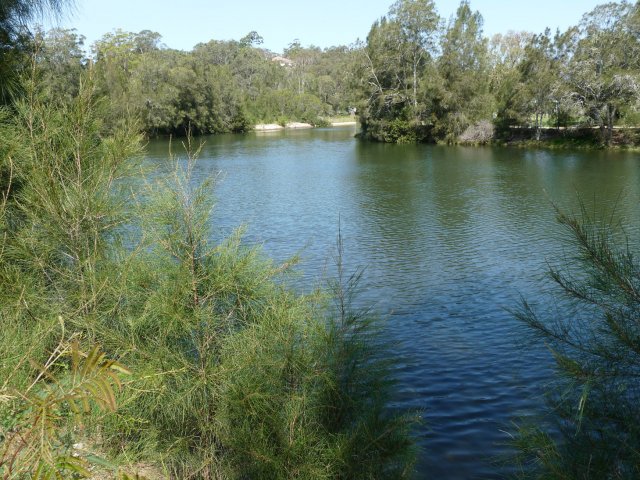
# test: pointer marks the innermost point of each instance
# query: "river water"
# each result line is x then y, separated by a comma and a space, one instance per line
451, 239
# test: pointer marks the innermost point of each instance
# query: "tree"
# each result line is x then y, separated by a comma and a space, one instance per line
506, 53
147, 41
418, 29
303, 60
251, 39
539, 79
334, 75
115, 57
602, 73
119, 56
62, 61
399, 49
463, 66
594, 336
14, 36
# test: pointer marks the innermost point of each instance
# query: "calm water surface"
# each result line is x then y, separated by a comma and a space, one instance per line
451, 237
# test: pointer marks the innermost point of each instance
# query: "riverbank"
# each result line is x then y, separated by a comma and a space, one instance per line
274, 127
569, 138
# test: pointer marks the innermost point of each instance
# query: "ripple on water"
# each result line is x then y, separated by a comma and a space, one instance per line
450, 239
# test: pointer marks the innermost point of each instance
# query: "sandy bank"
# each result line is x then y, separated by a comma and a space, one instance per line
274, 127
296, 125
268, 127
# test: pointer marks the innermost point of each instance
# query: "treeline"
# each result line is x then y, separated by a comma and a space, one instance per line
431, 80
219, 86
417, 78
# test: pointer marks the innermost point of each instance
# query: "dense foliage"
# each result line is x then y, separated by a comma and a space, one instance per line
233, 375
15, 45
219, 86
416, 78
429, 82
595, 338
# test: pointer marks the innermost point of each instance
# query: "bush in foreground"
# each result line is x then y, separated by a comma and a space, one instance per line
595, 339
234, 374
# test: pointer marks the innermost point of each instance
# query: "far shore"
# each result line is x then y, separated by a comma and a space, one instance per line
274, 127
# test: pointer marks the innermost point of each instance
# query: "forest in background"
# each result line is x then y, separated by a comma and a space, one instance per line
416, 78
446, 82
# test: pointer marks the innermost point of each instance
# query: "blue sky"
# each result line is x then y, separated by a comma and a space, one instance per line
322, 23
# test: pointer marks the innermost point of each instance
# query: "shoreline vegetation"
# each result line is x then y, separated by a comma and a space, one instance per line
622, 138
453, 85
415, 78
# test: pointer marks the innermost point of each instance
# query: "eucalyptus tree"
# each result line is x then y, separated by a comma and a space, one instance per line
386, 78
132, 73
61, 59
417, 22
335, 76
303, 60
602, 72
539, 81
506, 53
386, 82
116, 56
399, 49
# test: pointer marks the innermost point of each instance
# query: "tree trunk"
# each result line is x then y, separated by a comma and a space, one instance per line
601, 123
611, 113
415, 85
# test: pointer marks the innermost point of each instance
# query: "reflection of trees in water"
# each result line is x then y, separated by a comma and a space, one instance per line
462, 206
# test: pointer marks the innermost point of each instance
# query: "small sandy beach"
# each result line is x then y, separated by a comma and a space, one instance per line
274, 127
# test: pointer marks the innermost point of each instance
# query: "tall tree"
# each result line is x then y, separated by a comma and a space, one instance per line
417, 22
304, 58
62, 59
539, 79
507, 52
464, 67
602, 72
399, 49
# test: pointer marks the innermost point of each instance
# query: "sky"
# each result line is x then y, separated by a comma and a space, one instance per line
322, 23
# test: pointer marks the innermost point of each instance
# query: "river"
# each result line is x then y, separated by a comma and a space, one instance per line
451, 238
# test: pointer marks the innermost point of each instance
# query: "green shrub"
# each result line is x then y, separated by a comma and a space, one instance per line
595, 339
